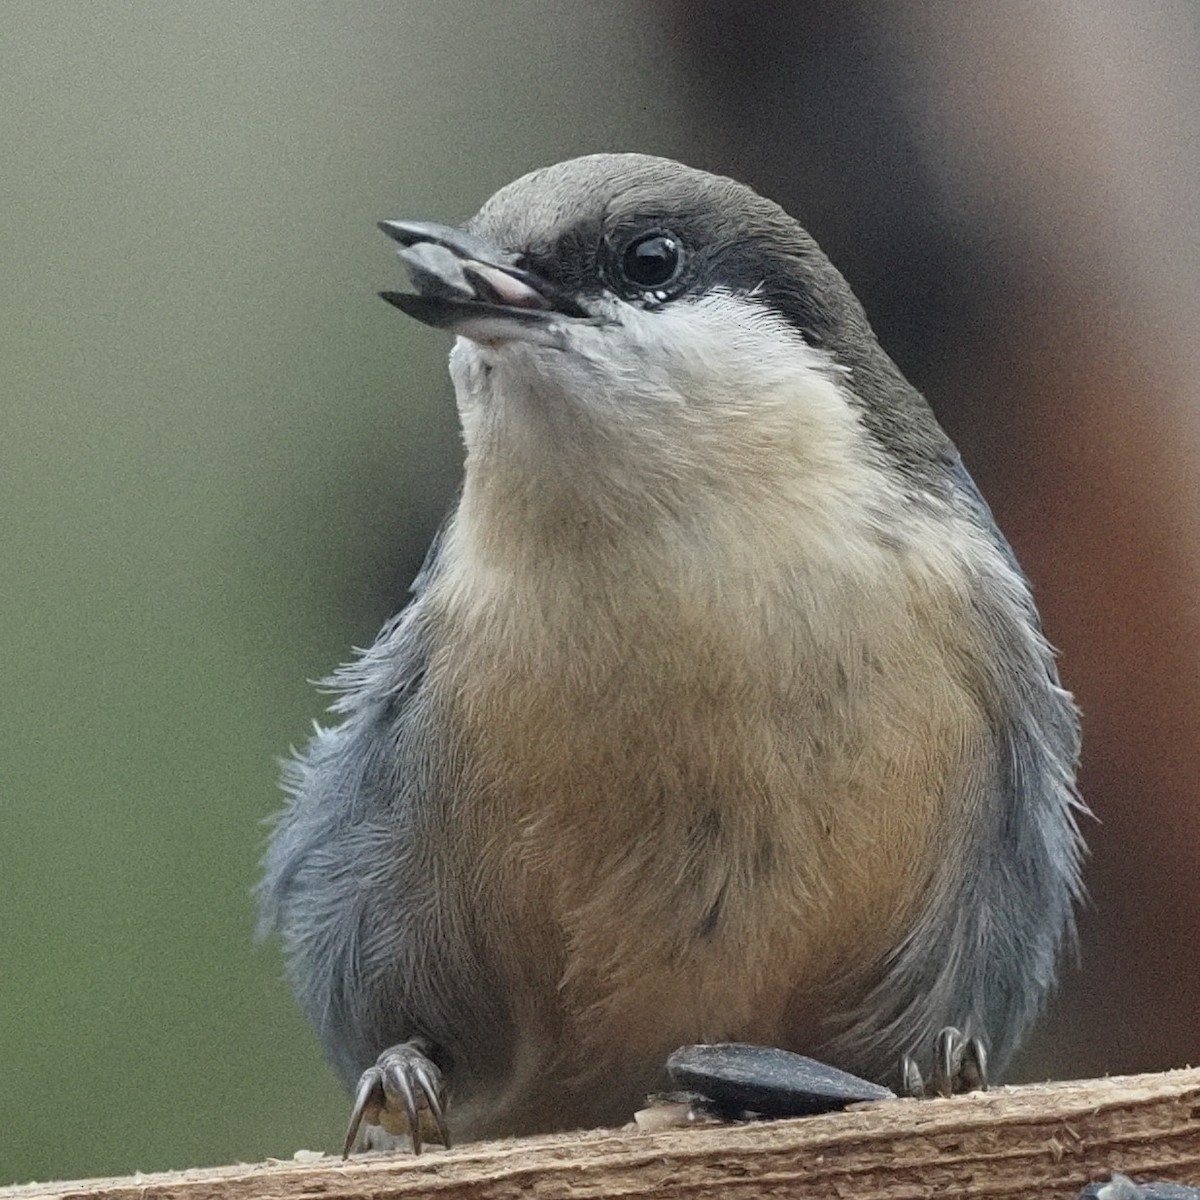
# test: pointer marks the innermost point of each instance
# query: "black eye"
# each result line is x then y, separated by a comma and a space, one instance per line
652, 262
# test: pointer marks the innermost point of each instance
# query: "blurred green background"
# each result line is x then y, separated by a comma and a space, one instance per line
221, 455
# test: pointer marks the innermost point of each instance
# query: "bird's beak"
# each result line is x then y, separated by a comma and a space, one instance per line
463, 284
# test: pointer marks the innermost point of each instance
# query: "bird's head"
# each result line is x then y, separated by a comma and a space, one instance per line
637, 333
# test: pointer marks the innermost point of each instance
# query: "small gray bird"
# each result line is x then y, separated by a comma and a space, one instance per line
721, 711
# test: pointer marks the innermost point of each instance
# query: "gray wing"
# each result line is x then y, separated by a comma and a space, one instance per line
356, 878
984, 954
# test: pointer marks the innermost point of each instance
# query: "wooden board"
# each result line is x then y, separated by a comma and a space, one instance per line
1033, 1142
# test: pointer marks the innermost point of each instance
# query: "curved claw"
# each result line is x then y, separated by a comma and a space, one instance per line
947, 1058
959, 1065
972, 1071
368, 1100
403, 1090
397, 1087
431, 1087
911, 1083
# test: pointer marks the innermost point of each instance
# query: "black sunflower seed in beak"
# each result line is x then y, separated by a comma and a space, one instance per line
465, 285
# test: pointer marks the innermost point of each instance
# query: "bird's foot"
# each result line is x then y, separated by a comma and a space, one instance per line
404, 1093
959, 1065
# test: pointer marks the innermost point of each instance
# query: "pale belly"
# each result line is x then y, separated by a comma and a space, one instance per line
702, 837
656, 911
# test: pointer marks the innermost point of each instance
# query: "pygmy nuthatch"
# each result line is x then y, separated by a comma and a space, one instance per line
721, 711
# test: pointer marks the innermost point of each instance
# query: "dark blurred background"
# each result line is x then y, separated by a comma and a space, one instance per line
221, 456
